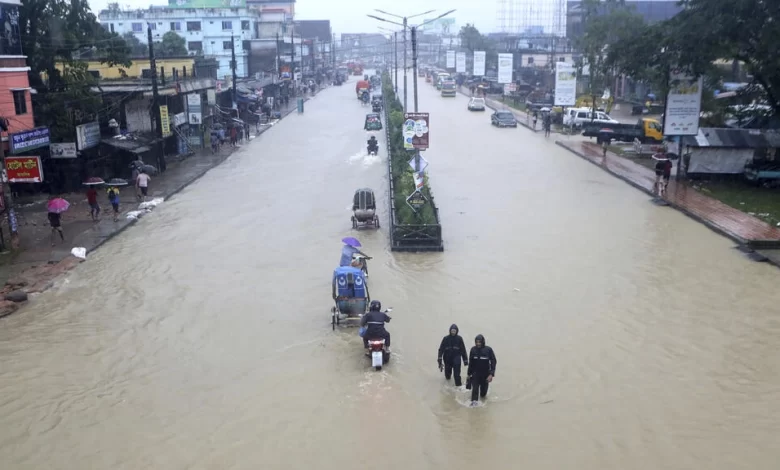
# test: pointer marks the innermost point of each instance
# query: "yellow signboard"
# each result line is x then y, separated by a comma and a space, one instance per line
165, 121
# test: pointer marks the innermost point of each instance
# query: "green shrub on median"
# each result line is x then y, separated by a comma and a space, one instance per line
403, 176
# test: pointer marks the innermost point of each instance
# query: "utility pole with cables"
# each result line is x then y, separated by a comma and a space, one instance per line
156, 100
233, 68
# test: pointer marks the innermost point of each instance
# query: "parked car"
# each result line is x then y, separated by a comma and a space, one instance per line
476, 104
577, 117
503, 119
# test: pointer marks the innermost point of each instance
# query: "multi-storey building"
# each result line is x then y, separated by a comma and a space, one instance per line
16, 104
210, 32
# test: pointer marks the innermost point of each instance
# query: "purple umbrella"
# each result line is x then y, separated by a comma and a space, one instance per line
351, 242
58, 205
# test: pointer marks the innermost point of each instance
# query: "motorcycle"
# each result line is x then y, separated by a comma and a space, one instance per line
373, 150
377, 350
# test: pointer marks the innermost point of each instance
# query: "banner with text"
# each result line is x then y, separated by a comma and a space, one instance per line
29, 140
479, 64
504, 68
450, 59
565, 84
63, 150
415, 131
24, 169
460, 62
165, 120
683, 104
88, 135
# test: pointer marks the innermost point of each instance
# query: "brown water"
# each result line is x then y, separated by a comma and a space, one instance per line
627, 336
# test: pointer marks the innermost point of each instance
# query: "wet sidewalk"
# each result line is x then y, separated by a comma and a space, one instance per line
81, 231
724, 219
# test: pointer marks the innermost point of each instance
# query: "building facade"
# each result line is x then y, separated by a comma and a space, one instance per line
651, 10
16, 104
208, 32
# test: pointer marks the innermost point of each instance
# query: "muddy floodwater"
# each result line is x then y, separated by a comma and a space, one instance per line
627, 335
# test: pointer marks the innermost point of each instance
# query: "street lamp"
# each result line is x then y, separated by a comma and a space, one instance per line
395, 54
405, 26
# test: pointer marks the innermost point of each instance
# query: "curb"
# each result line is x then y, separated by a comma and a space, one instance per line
709, 224
181, 187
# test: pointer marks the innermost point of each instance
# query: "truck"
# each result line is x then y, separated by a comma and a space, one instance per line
448, 88
647, 130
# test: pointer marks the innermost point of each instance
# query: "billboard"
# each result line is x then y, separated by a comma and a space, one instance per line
460, 62
683, 104
565, 84
479, 64
450, 59
505, 68
440, 26
206, 3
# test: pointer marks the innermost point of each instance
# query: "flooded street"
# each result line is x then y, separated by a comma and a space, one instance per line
627, 335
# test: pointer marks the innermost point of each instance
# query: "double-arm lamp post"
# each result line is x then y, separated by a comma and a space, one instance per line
413, 29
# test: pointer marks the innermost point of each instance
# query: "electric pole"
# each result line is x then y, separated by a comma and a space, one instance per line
414, 65
13, 225
156, 100
406, 108
292, 58
278, 59
233, 68
395, 59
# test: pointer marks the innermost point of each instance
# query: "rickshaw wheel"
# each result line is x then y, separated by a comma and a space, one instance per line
354, 222
333, 321
376, 221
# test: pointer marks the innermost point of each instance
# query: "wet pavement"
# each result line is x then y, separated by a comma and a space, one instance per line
627, 335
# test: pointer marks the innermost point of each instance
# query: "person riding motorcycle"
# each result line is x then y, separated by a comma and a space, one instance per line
373, 145
374, 321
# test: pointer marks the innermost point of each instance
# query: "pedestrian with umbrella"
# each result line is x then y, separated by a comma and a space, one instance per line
349, 250
94, 207
56, 207
113, 194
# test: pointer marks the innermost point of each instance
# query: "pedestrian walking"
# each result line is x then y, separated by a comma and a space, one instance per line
56, 226
142, 185
451, 351
113, 198
536, 118
547, 123
482, 369
233, 137
94, 207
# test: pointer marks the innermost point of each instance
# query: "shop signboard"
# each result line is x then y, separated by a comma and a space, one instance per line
165, 121
88, 135
63, 150
29, 140
24, 169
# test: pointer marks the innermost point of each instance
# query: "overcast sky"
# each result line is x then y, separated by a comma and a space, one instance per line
349, 16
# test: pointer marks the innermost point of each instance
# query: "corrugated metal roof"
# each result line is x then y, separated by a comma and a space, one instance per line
730, 138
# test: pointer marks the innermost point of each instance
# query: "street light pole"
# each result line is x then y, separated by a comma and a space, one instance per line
395, 60
406, 108
414, 64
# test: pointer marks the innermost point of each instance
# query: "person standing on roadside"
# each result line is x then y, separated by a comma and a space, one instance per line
451, 350
94, 207
142, 184
482, 369
113, 198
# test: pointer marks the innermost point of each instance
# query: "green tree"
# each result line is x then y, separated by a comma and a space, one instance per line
608, 24
172, 45
137, 48
472, 40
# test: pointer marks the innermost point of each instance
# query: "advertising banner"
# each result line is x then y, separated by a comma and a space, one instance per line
415, 131
683, 104
165, 121
24, 169
479, 64
194, 108
29, 139
565, 84
460, 62
450, 59
504, 68
87, 135
63, 150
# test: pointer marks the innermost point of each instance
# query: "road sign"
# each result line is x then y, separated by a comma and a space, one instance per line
415, 131
423, 164
419, 180
416, 200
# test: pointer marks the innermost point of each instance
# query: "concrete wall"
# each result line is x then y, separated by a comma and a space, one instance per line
137, 113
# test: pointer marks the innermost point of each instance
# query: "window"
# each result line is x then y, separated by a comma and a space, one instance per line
20, 101
195, 46
95, 73
227, 25
227, 45
112, 27
193, 26
152, 26
245, 25
138, 27
146, 73
175, 26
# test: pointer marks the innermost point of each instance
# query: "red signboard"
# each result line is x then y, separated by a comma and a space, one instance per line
24, 169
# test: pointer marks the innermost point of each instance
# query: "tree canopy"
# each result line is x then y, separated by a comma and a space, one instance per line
472, 40
704, 32
172, 45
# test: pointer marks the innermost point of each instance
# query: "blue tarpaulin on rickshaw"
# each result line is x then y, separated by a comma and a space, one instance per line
349, 282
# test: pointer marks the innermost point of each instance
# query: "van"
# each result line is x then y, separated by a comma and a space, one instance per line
576, 117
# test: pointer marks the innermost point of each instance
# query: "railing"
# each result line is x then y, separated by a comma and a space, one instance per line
409, 237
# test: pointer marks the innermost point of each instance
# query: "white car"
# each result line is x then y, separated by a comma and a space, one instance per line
477, 104
576, 117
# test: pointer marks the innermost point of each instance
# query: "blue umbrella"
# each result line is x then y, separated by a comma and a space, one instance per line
351, 242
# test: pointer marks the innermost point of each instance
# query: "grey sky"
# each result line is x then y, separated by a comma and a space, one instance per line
349, 16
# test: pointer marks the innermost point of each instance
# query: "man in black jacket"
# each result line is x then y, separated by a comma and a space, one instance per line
451, 351
374, 321
482, 368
